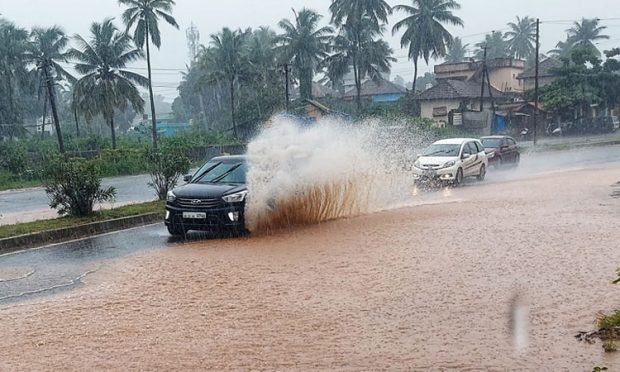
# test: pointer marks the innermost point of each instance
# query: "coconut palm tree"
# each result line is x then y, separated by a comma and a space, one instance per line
106, 86
145, 16
305, 45
375, 60
48, 47
562, 48
425, 34
496, 45
457, 52
352, 12
226, 61
586, 33
355, 17
13, 59
521, 37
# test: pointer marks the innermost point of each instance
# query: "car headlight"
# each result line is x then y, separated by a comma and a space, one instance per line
449, 164
236, 197
170, 197
417, 164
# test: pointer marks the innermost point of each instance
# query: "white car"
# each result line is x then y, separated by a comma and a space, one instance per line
451, 160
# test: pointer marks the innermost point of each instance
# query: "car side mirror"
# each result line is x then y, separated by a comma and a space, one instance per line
187, 178
465, 155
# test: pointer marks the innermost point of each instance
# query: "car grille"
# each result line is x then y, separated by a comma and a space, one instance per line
198, 203
430, 166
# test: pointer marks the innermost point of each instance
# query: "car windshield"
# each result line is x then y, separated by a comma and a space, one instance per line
442, 150
222, 172
491, 142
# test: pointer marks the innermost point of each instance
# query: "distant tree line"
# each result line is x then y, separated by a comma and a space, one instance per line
239, 77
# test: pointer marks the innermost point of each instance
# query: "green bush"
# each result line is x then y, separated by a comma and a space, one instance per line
14, 158
74, 185
166, 166
119, 162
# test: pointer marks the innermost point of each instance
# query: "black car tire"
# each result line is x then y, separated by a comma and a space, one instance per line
176, 231
459, 177
483, 173
517, 160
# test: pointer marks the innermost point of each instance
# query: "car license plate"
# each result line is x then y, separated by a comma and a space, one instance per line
195, 215
430, 173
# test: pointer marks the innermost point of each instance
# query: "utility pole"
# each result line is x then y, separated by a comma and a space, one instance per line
536, 80
286, 72
484, 70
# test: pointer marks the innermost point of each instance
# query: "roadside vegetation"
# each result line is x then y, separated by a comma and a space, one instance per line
608, 328
7, 231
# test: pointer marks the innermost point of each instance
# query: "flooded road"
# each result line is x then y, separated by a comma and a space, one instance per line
425, 287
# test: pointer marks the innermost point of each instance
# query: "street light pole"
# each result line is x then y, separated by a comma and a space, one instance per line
536, 80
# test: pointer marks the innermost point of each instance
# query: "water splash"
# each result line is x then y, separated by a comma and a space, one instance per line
327, 171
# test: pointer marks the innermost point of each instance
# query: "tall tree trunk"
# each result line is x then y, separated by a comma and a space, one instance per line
148, 63
50, 91
415, 74
77, 123
111, 123
44, 115
305, 86
358, 86
232, 107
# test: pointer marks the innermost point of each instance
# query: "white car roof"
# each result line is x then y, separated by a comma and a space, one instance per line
454, 141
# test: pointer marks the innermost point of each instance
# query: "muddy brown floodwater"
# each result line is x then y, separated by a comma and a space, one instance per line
428, 287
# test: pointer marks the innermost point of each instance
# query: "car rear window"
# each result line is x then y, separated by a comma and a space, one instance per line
491, 142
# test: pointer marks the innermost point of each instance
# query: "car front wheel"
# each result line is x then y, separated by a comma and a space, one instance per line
176, 231
483, 173
459, 177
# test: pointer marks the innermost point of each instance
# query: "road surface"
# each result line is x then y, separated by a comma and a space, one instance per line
433, 286
33, 204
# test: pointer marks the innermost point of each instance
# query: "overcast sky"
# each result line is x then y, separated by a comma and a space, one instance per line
480, 16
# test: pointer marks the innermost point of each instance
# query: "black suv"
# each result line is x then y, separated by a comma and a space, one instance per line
212, 200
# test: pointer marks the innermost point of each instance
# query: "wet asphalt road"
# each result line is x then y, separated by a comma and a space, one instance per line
128, 189
60, 267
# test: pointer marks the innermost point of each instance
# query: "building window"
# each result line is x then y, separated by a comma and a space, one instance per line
440, 111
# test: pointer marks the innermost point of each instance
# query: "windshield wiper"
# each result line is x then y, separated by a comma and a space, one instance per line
198, 178
223, 175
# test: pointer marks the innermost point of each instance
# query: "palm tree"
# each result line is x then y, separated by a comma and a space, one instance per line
105, 85
13, 59
306, 45
496, 45
355, 17
457, 52
425, 34
562, 48
352, 12
47, 50
226, 60
522, 37
375, 59
586, 33
145, 15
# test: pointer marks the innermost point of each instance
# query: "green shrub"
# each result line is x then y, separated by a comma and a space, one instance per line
166, 166
121, 162
74, 185
14, 158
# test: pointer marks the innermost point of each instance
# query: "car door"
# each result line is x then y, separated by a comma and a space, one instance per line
470, 163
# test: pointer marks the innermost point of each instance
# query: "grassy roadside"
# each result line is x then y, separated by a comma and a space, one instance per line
9, 182
8, 231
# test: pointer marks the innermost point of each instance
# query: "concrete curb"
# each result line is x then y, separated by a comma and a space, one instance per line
16, 243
